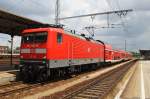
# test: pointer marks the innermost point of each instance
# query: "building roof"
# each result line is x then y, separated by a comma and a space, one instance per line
3, 46
12, 24
145, 54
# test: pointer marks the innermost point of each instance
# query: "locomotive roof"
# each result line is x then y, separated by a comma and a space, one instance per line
60, 29
83, 37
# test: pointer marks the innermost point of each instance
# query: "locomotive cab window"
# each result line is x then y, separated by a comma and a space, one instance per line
41, 37
27, 38
35, 37
59, 38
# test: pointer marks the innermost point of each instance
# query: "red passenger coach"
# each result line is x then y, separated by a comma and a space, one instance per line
50, 51
108, 52
116, 55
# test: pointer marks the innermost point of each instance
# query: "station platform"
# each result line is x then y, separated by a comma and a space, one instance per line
7, 76
6, 67
5, 64
7, 73
139, 85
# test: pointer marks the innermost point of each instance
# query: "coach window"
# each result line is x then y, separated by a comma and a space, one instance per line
59, 38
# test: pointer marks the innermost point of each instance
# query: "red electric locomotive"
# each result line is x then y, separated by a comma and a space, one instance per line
50, 51
53, 51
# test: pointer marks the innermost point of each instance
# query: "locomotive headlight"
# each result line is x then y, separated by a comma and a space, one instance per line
44, 57
44, 61
21, 56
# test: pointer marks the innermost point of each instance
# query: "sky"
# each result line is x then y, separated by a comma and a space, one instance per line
135, 31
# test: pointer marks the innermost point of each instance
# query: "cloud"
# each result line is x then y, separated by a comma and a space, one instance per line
137, 23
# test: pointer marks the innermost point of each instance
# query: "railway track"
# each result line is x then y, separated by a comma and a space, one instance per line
10, 84
100, 87
94, 89
16, 87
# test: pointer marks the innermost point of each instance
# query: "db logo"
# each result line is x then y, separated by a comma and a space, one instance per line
32, 45
89, 49
32, 50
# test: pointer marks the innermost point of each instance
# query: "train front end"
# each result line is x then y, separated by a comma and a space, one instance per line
33, 57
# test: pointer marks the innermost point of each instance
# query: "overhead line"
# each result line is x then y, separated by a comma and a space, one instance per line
38, 4
94, 14
122, 21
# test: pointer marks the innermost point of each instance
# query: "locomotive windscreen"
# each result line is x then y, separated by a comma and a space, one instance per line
35, 37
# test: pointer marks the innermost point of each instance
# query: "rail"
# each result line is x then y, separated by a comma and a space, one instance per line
100, 86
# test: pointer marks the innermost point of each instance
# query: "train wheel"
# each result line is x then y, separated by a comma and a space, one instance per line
67, 74
23, 73
42, 76
20, 74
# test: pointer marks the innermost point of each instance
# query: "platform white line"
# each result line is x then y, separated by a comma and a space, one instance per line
118, 96
122, 89
142, 83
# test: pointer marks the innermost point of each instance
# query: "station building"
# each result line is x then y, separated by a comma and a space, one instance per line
4, 49
145, 54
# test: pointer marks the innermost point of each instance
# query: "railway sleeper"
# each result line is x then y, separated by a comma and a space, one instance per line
78, 98
87, 96
96, 91
101, 85
92, 93
102, 88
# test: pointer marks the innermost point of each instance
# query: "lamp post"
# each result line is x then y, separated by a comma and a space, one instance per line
125, 45
11, 50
